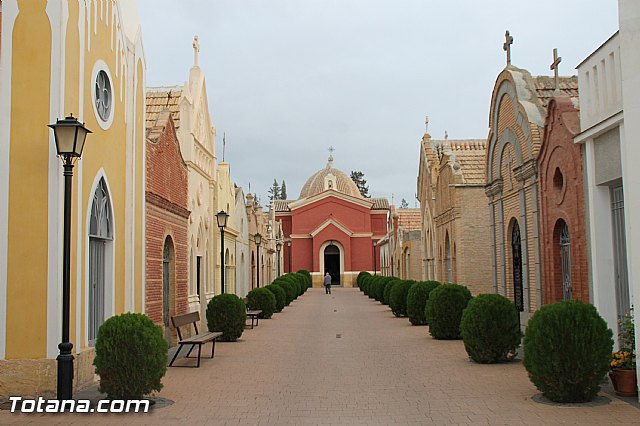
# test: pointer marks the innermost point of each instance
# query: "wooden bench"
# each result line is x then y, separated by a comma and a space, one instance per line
253, 313
197, 339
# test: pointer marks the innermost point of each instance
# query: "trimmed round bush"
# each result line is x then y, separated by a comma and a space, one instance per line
131, 356
417, 299
280, 295
376, 292
227, 313
293, 280
490, 329
567, 351
398, 302
288, 288
361, 275
307, 276
386, 294
262, 299
443, 310
383, 286
366, 284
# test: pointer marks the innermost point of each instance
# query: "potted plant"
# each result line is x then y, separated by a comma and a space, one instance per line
623, 362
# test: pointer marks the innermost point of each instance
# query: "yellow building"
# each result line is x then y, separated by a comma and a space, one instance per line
57, 58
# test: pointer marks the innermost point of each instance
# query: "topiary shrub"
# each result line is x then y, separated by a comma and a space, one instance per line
307, 276
490, 329
227, 313
131, 356
366, 284
293, 280
398, 302
263, 299
567, 351
288, 288
280, 295
386, 294
376, 288
417, 299
361, 275
443, 310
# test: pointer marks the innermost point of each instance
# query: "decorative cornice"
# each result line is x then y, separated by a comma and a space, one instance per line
526, 170
493, 188
163, 203
331, 193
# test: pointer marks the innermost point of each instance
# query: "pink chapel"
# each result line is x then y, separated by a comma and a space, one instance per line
332, 228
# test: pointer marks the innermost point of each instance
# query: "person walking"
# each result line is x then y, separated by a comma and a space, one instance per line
327, 283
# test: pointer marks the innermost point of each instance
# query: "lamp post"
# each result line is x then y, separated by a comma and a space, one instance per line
289, 246
375, 272
278, 247
258, 240
222, 217
69, 136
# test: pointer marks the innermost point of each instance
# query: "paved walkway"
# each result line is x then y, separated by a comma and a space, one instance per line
344, 359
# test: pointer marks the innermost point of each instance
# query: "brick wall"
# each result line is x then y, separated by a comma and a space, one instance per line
166, 217
562, 199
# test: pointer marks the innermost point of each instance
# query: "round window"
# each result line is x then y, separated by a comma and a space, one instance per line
103, 95
103, 98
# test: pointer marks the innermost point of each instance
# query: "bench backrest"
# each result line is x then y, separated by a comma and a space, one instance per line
186, 319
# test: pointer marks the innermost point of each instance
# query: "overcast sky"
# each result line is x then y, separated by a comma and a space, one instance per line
286, 79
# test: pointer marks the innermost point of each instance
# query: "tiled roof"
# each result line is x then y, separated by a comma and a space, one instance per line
409, 219
160, 98
281, 205
469, 153
380, 203
545, 88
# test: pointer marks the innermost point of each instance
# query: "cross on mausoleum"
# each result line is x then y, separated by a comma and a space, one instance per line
554, 66
507, 46
196, 50
426, 123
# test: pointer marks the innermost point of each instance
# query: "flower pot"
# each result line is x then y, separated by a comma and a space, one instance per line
625, 381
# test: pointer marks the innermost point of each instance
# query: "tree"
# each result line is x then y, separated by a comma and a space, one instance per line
274, 192
361, 183
404, 204
283, 191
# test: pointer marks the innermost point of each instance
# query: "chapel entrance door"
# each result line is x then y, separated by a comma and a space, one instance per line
332, 263
516, 248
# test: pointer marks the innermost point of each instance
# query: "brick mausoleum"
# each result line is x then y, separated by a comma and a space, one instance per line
332, 227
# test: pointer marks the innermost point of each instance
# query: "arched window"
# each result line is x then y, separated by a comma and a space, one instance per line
168, 285
565, 255
100, 259
516, 259
447, 258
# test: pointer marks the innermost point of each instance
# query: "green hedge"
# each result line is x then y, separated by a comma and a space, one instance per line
417, 299
443, 310
567, 351
361, 275
386, 294
262, 299
289, 289
307, 276
280, 295
398, 302
227, 313
131, 356
490, 329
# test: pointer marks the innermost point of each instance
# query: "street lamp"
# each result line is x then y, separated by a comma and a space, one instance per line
69, 136
375, 272
222, 217
289, 246
258, 240
278, 247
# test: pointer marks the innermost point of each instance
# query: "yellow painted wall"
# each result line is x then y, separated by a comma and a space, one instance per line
28, 189
139, 185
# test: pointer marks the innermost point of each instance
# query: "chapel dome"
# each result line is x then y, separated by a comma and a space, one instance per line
329, 178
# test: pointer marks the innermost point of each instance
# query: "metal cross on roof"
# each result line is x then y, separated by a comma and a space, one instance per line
426, 123
196, 50
507, 46
554, 66
331, 149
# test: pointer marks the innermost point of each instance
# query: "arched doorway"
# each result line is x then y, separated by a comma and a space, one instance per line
168, 284
100, 260
516, 258
332, 263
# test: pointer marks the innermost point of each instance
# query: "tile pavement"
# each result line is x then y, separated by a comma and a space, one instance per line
344, 359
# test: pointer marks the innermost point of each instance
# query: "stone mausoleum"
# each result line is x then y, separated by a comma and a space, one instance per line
332, 227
